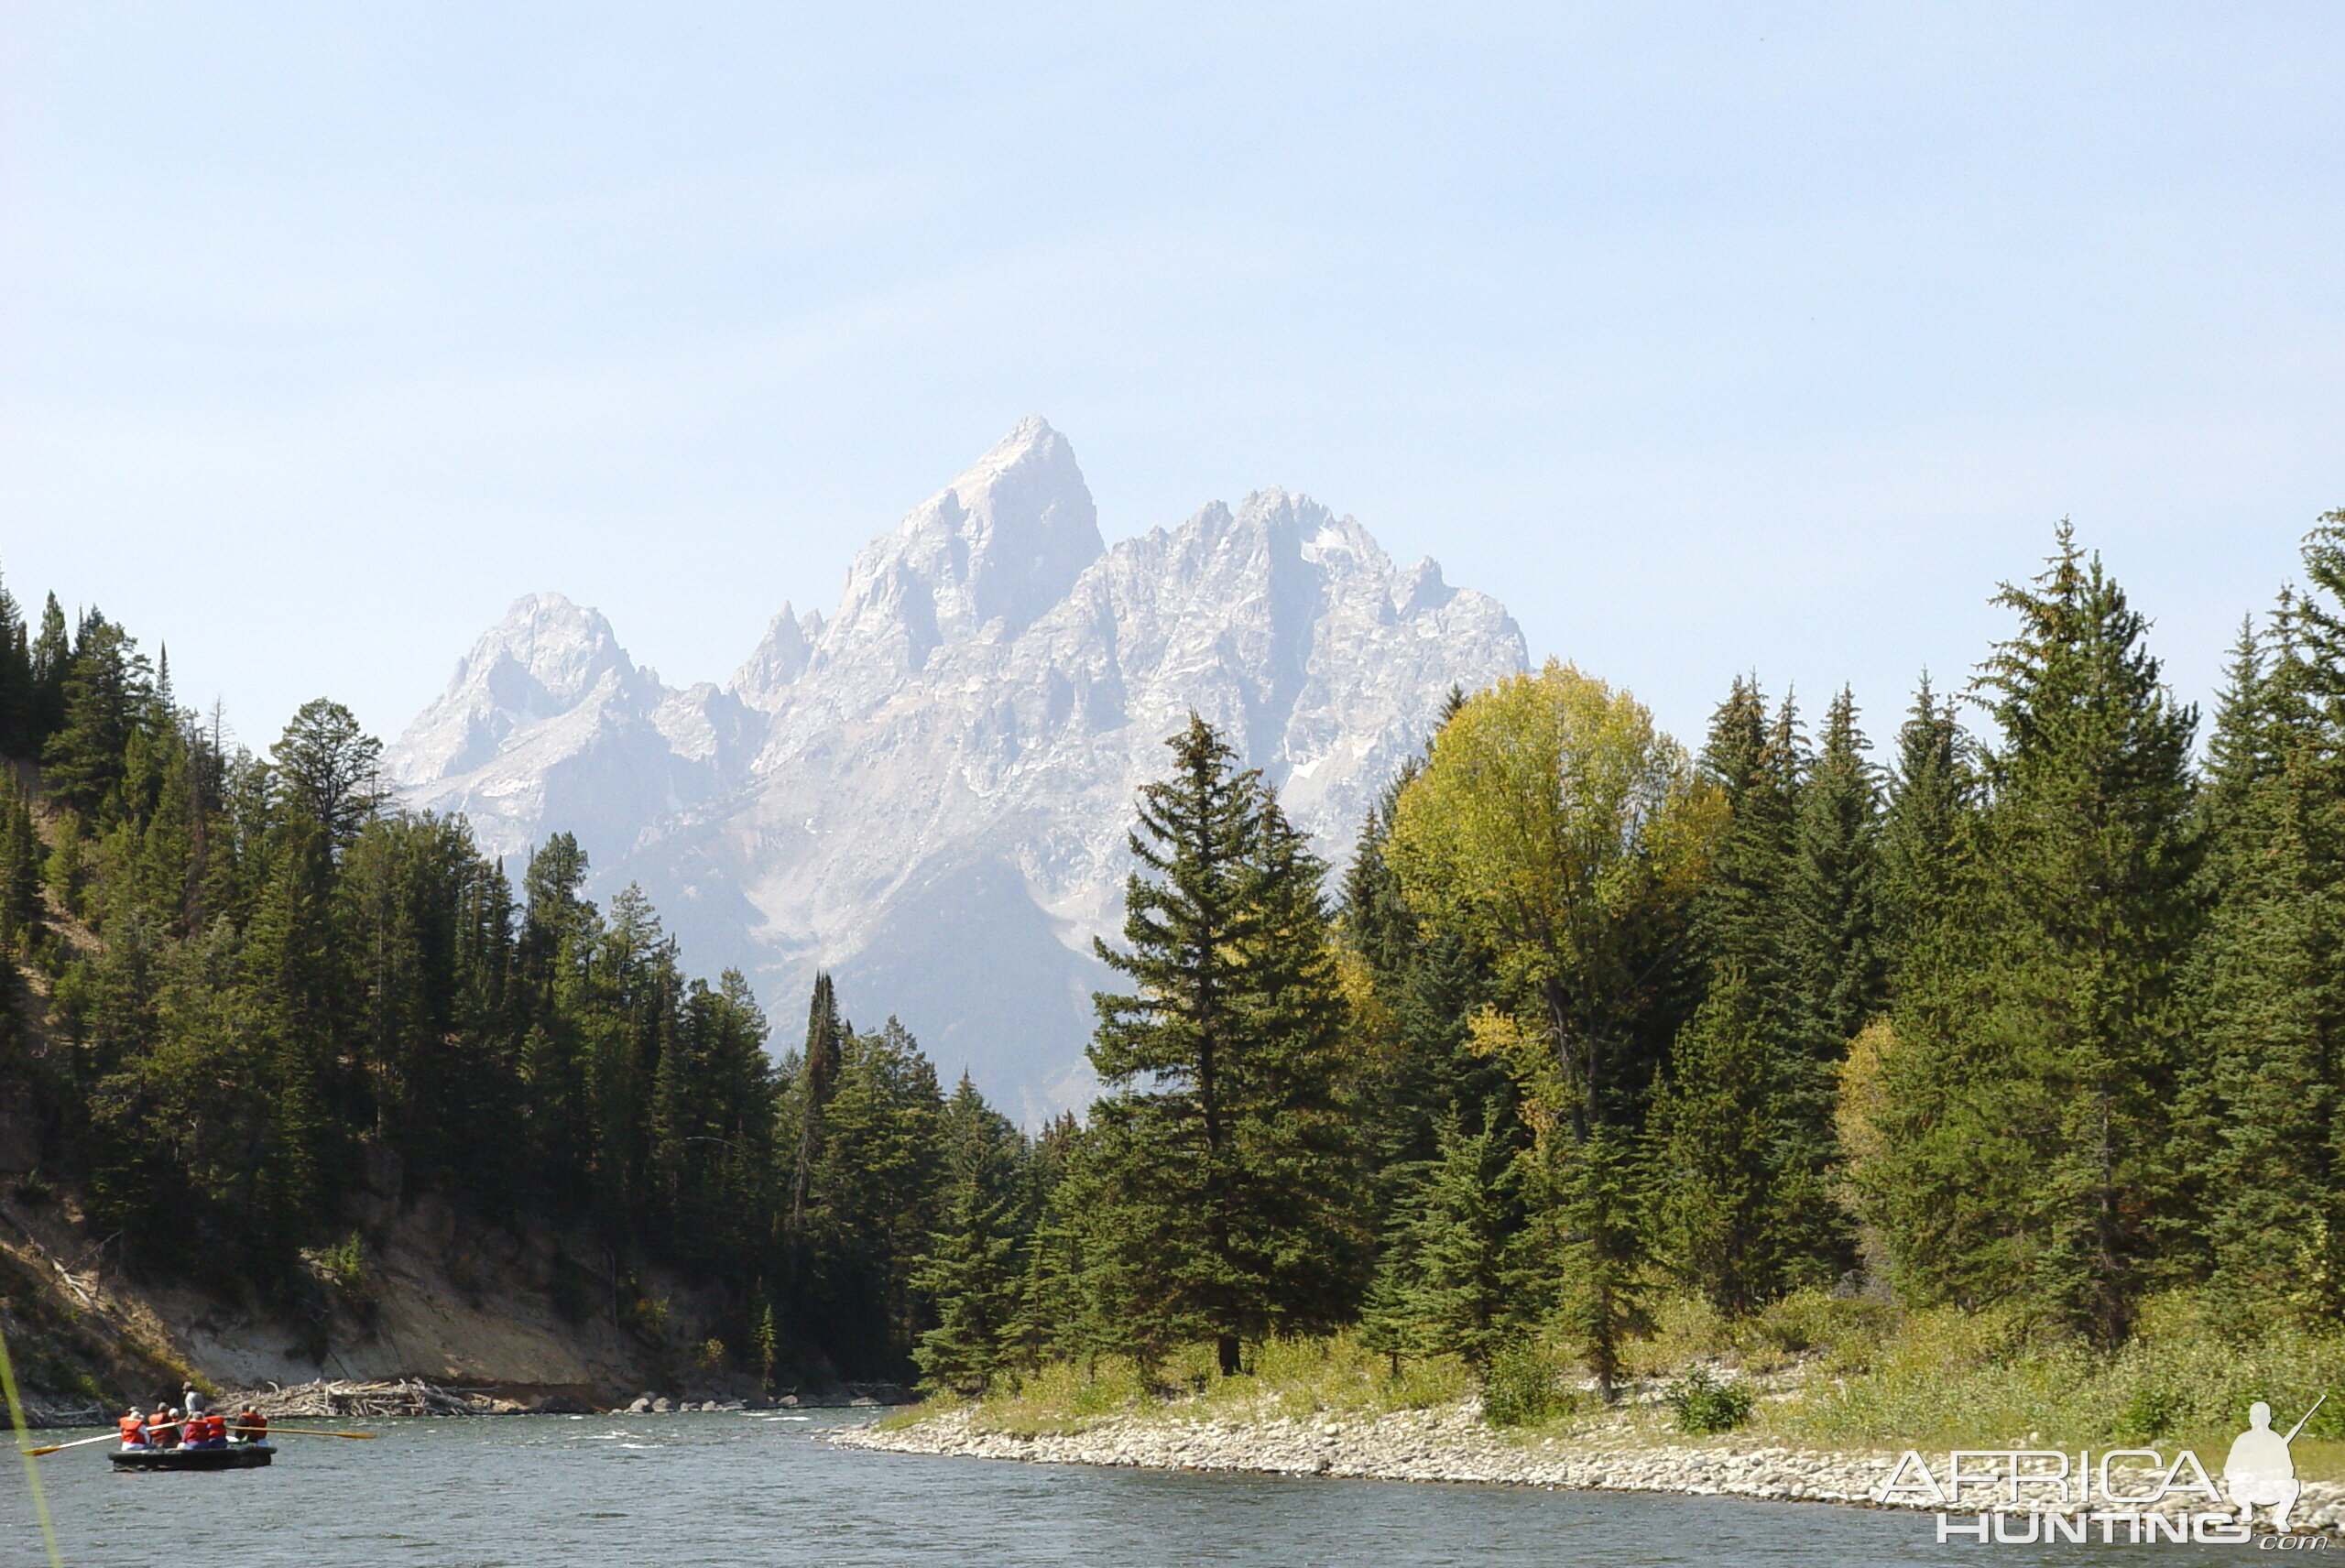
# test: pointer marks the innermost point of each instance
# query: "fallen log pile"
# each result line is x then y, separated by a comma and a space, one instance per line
409, 1397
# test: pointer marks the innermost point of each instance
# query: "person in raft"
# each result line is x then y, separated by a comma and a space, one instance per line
250, 1426
163, 1427
133, 1427
209, 1430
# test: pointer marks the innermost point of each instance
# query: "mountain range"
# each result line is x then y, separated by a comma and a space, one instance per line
927, 793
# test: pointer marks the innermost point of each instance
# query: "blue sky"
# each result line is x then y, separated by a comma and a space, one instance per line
1709, 338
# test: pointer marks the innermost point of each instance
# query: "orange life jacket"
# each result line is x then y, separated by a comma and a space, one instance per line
252, 1425
160, 1432
215, 1427
133, 1428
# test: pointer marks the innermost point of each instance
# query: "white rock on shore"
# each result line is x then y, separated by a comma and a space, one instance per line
1453, 1444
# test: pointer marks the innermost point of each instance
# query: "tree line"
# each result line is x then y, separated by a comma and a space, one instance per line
2038, 1009
2041, 1013
237, 981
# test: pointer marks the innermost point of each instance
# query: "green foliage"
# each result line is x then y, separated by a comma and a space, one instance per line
345, 1266
1559, 832
1220, 1181
2030, 1146
1521, 1386
970, 1270
1444, 1287
1704, 1406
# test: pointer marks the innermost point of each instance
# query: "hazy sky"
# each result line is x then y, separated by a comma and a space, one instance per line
1710, 339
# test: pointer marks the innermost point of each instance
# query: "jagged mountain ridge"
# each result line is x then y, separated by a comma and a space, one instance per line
928, 793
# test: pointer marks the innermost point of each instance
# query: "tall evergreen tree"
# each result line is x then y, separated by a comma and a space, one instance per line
1925, 830
2271, 996
970, 1271
103, 693
1445, 1285
51, 660
331, 768
1742, 1131
2031, 1144
816, 1071
874, 1198
15, 680
1838, 971
1223, 1169
22, 918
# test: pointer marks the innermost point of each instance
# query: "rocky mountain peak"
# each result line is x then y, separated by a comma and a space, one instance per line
1001, 543
929, 794
765, 677
545, 657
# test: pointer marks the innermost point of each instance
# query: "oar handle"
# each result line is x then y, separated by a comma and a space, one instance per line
2304, 1418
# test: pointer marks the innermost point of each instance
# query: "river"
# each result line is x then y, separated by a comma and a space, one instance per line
752, 1488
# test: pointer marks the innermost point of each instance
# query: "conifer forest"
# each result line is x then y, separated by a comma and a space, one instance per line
2024, 993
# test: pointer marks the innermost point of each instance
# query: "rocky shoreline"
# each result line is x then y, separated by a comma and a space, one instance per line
1452, 1443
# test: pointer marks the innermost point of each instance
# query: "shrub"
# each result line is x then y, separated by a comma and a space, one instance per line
1520, 1390
344, 1265
1704, 1405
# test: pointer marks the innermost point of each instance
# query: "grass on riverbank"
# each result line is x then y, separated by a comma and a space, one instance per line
1288, 1378
1833, 1373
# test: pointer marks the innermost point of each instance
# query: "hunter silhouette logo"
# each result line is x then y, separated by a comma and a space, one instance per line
2259, 1472
2029, 1496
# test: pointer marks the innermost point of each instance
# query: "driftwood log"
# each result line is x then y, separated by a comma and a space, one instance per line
411, 1397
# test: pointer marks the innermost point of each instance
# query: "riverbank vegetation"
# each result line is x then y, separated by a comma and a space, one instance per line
1982, 1083
1993, 1084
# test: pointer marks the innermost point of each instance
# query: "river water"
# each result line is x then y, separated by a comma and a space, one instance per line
751, 1488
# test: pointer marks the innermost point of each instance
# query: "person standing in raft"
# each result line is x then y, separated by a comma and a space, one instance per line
133, 1427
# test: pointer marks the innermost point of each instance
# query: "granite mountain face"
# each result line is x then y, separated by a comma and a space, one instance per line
928, 794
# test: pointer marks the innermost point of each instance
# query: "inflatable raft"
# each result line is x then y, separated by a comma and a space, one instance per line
235, 1456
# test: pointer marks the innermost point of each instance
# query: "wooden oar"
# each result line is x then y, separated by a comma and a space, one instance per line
77, 1442
308, 1431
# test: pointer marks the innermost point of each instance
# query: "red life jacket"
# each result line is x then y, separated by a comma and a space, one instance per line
252, 1426
133, 1428
215, 1427
161, 1433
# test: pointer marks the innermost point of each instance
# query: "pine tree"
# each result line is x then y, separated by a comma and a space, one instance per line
2269, 982
1222, 1160
1925, 830
15, 682
1051, 1321
1417, 1066
816, 1070
52, 660
1741, 1132
21, 915
970, 1270
2031, 1145
1443, 1286
330, 768
873, 1198
560, 932
1836, 962
103, 694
